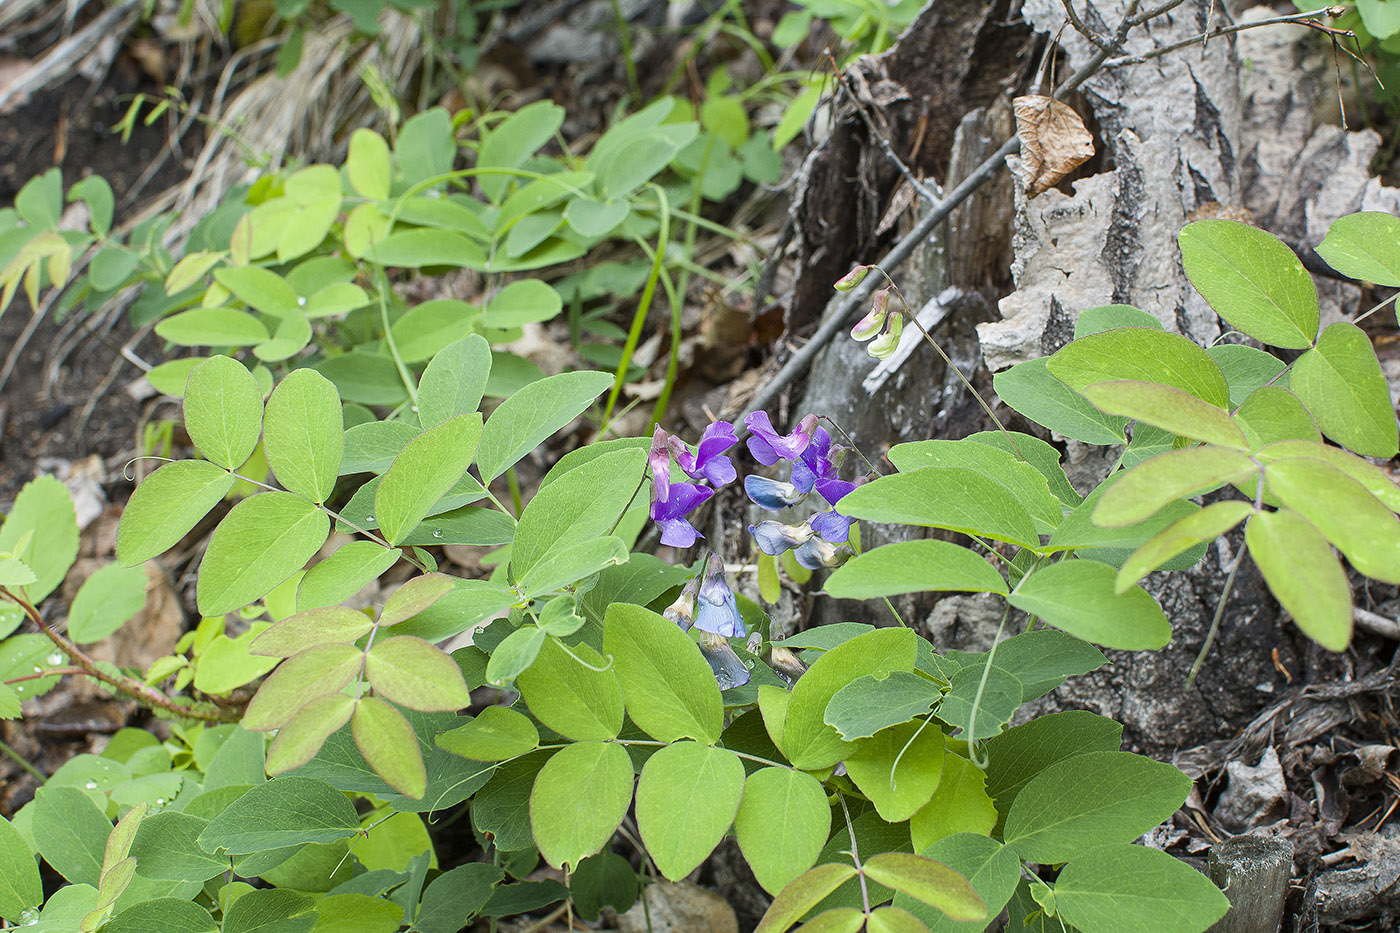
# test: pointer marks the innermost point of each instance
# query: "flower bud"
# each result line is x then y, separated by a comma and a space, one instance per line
682, 611
870, 325
851, 279
883, 346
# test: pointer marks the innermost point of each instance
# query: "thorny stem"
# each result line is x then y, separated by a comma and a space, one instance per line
855, 852
128, 685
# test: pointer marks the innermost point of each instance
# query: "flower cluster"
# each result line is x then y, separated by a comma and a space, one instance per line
672, 503
707, 603
816, 463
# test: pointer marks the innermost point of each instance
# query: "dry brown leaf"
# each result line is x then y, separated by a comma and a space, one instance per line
1054, 141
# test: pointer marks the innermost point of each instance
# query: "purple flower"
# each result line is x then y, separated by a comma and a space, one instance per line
670, 511
730, 670
659, 465
817, 468
831, 526
708, 461
768, 446
771, 494
717, 611
773, 538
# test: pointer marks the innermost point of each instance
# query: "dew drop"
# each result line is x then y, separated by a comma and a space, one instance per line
19, 688
437, 532
301, 301
28, 917
54, 660
160, 801
38, 669
369, 518
91, 785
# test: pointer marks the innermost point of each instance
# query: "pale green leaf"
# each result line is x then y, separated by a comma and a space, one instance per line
1303, 574
1095, 891
416, 674
1029, 388
899, 768
1168, 408
780, 850
923, 879
303, 436
212, 327
454, 381
41, 529
223, 411
686, 798
302, 736
800, 895
105, 601
1142, 354
1252, 280
944, 497
1180, 536
344, 573
1367, 474
1341, 383
668, 687
166, 505
1079, 597
260, 543
573, 699
1365, 245
425, 471
913, 567
21, 888
367, 164
310, 628
571, 817
532, 414
498, 733
260, 289
387, 741
959, 805
1179, 474
1025, 482
315, 672
990, 867
1274, 414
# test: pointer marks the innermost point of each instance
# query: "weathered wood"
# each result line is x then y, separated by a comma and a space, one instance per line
1253, 872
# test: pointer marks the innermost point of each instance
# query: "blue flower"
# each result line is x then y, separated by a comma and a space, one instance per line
817, 468
773, 537
671, 511
717, 611
708, 461
768, 446
771, 494
729, 669
831, 526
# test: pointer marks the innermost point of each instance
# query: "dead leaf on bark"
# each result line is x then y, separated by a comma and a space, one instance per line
1054, 141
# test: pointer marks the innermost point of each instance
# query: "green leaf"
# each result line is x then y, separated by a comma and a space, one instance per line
497, 734
562, 567
21, 888
572, 817
40, 202
571, 699
303, 735
212, 327
889, 919
1274, 414
1365, 245
501, 809
959, 805
414, 249
899, 768
1303, 574
455, 896
1038, 453
454, 381
914, 567
315, 672
166, 505
1022, 752
431, 326
582, 505
260, 289
270, 910
97, 194
105, 601
344, 573
359, 913
807, 740
415, 596
944, 497
1079, 597
933, 883
1247, 369
1026, 483
1029, 388
668, 687
590, 217
42, 531
260, 543
223, 411
524, 301
1167, 408
70, 832
387, 741
310, 628
1095, 891
1341, 383
1367, 474
1142, 354
364, 378
1350, 517
687, 796
1041, 660
367, 164
514, 654
994, 700
868, 704
1180, 536
425, 147
801, 895
371, 447
532, 414
303, 436
1113, 545
1091, 800
1252, 280
990, 867
513, 141
605, 879
778, 850
1109, 317
285, 811
165, 849
425, 471
162, 915
1153, 484
416, 674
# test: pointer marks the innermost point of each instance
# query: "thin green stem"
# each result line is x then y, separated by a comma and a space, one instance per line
855, 852
408, 382
23, 763
977, 757
1215, 619
754, 758
634, 335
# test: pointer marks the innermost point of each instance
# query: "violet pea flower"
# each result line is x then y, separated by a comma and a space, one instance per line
671, 511
771, 494
831, 526
773, 537
708, 461
717, 611
768, 446
817, 468
659, 465
682, 611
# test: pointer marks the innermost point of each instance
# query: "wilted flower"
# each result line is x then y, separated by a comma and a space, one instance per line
708, 461
851, 279
773, 537
771, 494
717, 611
670, 512
730, 670
659, 465
682, 611
874, 319
786, 663
816, 553
768, 446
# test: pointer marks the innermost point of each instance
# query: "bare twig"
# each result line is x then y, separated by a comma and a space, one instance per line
64, 57
1309, 19
1375, 623
1083, 29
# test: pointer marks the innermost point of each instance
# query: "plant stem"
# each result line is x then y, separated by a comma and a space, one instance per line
1215, 619
128, 685
855, 852
23, 763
